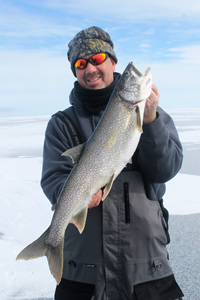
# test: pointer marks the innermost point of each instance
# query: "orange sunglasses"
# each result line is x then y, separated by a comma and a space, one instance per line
95, 60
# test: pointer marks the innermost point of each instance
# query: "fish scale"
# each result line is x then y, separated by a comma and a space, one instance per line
97, 163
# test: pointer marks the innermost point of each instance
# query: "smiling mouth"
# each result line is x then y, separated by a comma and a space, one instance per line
93, 79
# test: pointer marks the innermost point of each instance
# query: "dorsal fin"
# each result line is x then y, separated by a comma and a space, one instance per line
108, 187
74, 153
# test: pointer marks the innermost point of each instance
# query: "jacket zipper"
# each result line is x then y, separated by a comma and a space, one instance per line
126, 202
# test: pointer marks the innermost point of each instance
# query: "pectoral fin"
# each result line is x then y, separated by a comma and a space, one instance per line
79, 219
53, 207
74, 153
138, 120
108, 187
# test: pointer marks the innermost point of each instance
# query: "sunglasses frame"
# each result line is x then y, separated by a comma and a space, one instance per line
88, 60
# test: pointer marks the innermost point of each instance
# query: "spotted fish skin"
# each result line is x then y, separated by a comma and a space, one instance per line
97, 163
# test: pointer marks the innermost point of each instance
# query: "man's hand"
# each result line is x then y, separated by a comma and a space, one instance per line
96, 199
151, 105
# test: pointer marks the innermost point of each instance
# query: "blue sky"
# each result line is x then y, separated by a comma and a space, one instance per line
36, 79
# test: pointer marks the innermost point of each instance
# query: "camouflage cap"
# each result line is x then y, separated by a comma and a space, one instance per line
90, 41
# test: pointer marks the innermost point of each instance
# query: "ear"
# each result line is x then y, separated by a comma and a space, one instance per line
113, 64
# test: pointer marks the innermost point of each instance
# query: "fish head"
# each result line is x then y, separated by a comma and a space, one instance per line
134, 86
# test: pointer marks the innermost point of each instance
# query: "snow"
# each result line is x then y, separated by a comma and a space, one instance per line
26, 212
183, 195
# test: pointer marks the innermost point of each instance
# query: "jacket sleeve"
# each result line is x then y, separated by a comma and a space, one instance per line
56, 167
160, 150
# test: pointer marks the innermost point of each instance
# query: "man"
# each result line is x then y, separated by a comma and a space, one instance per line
121, 253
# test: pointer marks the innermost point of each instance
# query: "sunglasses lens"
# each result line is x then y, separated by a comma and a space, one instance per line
98, 58
80, 64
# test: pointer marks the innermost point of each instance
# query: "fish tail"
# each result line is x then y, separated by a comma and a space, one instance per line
36, 249
55, 260
40, 248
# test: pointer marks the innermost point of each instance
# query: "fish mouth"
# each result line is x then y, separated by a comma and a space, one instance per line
127, 101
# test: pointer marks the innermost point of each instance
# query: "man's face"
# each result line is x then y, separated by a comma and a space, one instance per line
96, 77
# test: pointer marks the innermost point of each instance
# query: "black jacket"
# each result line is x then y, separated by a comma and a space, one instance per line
157, 159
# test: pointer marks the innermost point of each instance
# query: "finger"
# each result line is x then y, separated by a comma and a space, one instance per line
153, 98
155, 89
90, 205
97, 202
96, 199
98, 194
94, 203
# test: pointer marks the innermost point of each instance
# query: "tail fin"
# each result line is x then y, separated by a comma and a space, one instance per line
54, 254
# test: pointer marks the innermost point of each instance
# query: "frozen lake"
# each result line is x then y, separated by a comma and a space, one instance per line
188, 125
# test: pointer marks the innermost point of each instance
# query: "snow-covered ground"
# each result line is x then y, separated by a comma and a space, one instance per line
25, 211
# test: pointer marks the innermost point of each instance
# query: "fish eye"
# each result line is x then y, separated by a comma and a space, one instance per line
127, 73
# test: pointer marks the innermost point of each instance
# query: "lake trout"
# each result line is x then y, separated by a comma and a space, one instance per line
97, 163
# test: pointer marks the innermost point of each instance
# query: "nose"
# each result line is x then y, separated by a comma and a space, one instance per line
90, 68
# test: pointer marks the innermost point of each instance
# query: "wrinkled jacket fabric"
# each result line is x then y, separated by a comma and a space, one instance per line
111, 253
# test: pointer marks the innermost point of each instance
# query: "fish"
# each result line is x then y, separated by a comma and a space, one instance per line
97, 163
